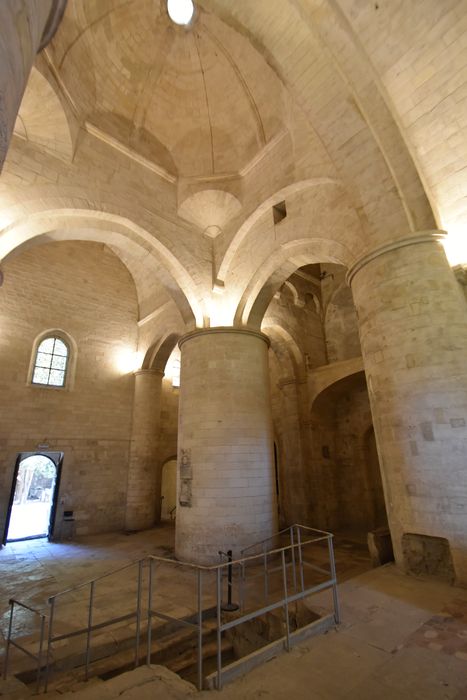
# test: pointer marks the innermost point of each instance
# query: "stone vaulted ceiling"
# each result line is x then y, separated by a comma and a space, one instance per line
197, 102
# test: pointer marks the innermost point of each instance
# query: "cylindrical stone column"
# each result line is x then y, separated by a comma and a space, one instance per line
141, 488
413, 330
26, 27
225, 483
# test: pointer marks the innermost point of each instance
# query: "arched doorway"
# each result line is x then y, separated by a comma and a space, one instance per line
169, 490
33, 497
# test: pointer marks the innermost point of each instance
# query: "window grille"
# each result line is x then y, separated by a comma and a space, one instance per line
51, 362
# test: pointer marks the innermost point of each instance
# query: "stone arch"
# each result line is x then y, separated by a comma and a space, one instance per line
279, 334
341, 325
268, 203
159, 352
82, 224
374, 162
293, 290
272, 274
324, 377
42, 118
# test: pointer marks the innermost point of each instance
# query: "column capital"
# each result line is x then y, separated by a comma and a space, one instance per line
149, 372
431, 236
223, 329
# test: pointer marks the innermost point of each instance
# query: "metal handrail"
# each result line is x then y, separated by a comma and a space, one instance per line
11, 642
283, 532
294, 549
94, 580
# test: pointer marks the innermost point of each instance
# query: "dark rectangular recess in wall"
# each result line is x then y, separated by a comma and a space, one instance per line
425, 554
279, 212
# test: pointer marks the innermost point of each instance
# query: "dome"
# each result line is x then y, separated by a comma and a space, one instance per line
197, 100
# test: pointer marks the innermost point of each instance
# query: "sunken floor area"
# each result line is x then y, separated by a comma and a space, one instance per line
401, 637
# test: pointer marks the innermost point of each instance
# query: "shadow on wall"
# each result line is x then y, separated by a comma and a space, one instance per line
346, 484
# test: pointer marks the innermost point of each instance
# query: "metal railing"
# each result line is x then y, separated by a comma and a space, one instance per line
290, 572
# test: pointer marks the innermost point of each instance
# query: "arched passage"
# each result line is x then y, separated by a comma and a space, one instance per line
270, 276
33, 497
346, 485
169, 489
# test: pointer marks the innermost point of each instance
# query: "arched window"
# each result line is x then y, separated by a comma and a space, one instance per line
51, 362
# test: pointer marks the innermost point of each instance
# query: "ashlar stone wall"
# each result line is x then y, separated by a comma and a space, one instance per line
82, 289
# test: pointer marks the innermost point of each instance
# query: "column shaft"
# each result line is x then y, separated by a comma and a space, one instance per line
413, 328
141, 489
225, 486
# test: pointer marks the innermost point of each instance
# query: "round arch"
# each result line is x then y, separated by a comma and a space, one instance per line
272, 274
83, 224
279, 335
248, 224
159, 352
72, 356
42, 118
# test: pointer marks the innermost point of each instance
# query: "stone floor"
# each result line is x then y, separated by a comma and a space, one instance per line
400, 637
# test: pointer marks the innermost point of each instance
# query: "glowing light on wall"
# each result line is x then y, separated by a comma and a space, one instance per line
455, 245
180, 11
5, 220
221, 309
127, 360
172, 368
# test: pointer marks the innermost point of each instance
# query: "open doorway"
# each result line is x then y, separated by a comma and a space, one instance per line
169, 490
33, 497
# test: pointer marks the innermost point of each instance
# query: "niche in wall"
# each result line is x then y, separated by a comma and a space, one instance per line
424, 554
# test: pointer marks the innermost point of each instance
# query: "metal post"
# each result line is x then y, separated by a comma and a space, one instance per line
219, 633
138, 611
286, 603
200, 630
337, 615
148, 653
7, 650
88, 636
300, 558
242, 586
292, 550
39, 656
266, 575
49, 642
229, 606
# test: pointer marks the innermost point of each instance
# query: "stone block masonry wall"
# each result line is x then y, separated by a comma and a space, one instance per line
83, 289
359, 487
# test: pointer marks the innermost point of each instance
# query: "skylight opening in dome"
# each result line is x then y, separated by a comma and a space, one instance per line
180, 11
